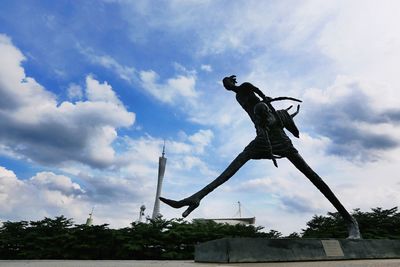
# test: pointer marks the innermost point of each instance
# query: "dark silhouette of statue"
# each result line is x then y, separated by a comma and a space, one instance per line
271, 143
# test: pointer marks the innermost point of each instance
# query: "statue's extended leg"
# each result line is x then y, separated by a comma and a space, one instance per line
301, 165
194, 200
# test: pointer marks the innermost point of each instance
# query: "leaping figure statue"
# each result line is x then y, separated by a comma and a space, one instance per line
271, 142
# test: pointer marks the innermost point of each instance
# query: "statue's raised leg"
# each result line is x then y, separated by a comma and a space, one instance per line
194, 200
352, 225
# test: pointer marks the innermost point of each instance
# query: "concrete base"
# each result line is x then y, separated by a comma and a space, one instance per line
275, 250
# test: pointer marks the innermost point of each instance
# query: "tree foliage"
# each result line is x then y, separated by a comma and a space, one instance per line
379, 223
60, 238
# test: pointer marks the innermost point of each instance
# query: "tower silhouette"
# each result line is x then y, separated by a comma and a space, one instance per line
162, 161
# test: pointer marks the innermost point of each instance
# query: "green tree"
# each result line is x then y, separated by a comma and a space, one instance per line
48, 238
92, 242
379, 223
59, 238
12, 239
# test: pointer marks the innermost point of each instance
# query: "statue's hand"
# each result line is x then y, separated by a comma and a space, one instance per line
297, 111
233, 78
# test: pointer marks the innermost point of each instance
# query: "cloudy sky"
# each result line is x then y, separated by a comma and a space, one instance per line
90, 89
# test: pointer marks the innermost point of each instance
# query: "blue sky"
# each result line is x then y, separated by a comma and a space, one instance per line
90, 90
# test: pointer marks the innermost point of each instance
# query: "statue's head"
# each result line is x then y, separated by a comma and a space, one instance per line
229, 82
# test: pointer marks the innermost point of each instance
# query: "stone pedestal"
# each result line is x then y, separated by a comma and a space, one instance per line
275, 250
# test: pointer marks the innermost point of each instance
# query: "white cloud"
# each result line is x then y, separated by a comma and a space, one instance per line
35, 126
74, 92
253, 24
363, 40
201, 139
48, 194
356, 124
175, 90
42, 195
17, 90
100, 92
206, 68
51, 181
124, 72
8, 183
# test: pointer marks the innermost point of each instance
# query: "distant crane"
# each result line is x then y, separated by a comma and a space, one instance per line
239, 212
236, 219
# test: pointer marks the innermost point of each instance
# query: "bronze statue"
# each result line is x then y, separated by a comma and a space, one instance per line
271, 143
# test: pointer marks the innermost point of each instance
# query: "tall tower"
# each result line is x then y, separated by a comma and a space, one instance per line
162, 161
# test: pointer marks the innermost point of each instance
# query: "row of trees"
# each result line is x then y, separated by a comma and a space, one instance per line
60, 238
377, 224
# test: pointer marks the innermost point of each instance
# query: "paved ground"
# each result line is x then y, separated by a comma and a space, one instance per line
57, 263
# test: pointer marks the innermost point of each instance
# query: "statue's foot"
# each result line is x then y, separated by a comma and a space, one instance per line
354, 230
173, 203
191, 202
